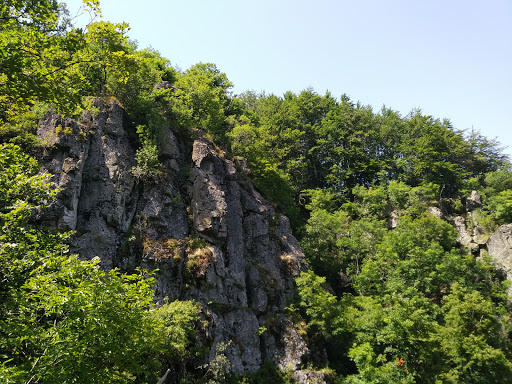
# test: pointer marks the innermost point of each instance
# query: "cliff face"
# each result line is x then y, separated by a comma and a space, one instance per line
203, 226
475, 238
500, 249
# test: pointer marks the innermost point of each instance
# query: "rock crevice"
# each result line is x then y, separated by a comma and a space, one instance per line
203, 225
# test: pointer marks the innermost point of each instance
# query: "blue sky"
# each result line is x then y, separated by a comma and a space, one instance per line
451, 58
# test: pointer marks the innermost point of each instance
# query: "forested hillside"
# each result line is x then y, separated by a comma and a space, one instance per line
393, 212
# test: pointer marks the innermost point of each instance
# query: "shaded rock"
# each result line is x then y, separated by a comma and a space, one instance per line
499, 248
170, 147
436, 212
165, 85
473, 201
393, 220
464, 237
295, 347
480, 235
215, 240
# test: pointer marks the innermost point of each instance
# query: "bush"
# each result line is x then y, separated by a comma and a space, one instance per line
148, 165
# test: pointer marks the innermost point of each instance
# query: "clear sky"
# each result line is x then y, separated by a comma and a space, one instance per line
450, 58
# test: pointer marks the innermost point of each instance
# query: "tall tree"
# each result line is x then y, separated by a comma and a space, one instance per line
37, 59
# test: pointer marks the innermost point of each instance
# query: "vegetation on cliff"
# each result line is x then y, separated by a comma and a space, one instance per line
392, 296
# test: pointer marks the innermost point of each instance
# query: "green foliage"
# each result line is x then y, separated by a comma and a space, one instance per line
409, 257
358, 242
422, 311
58, 64
393, 299
42, 49
322, 231
147, 69
176, 323
473, 339
319, 305
498, 181
148, 165
218, 367
203, 94
109, 57
22, 191
65, 320
370, 202
69, 316
269, 373
21, 128
276, 186
486, 154
251, 143
500, 206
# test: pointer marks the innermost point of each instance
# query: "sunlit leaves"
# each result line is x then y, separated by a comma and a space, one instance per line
64, 320
204, 90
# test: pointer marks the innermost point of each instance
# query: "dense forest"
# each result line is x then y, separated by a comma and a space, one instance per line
391, 294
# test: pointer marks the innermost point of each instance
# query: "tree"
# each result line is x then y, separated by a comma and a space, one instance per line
473, 339
62, 319
204, 91
107, 58
38, 57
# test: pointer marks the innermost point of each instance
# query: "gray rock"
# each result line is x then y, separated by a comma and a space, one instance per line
436, 212
169, 147
499, 248
473, 201
464, 237
393, 220
295, 347
218, 242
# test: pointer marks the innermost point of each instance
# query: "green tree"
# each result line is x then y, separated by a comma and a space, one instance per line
486, 154
473, 339
64, 320
203, 93
39, 55
148, 165
107, 58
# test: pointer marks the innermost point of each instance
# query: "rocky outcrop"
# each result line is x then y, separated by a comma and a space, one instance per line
477, 239
465, 237
473, 201
203, 226
471, 234
500, 249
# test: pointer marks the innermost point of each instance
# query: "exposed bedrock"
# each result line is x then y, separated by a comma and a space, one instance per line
202, 224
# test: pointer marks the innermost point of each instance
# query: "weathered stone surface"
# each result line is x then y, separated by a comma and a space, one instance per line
499, 247
169, 147
436, 212
208, 192
64, 159
305, 376
480, 235
464, 237
473, 201
393, 220
261, 261
216, 240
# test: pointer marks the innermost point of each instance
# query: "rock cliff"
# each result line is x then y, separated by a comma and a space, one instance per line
477, 239
202, 225
500, 249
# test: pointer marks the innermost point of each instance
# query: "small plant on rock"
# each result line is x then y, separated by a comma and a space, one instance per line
148, 165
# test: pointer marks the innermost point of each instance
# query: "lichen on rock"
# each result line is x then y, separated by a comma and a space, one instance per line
240, 269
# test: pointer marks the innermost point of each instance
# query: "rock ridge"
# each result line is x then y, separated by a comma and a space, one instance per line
203, 225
